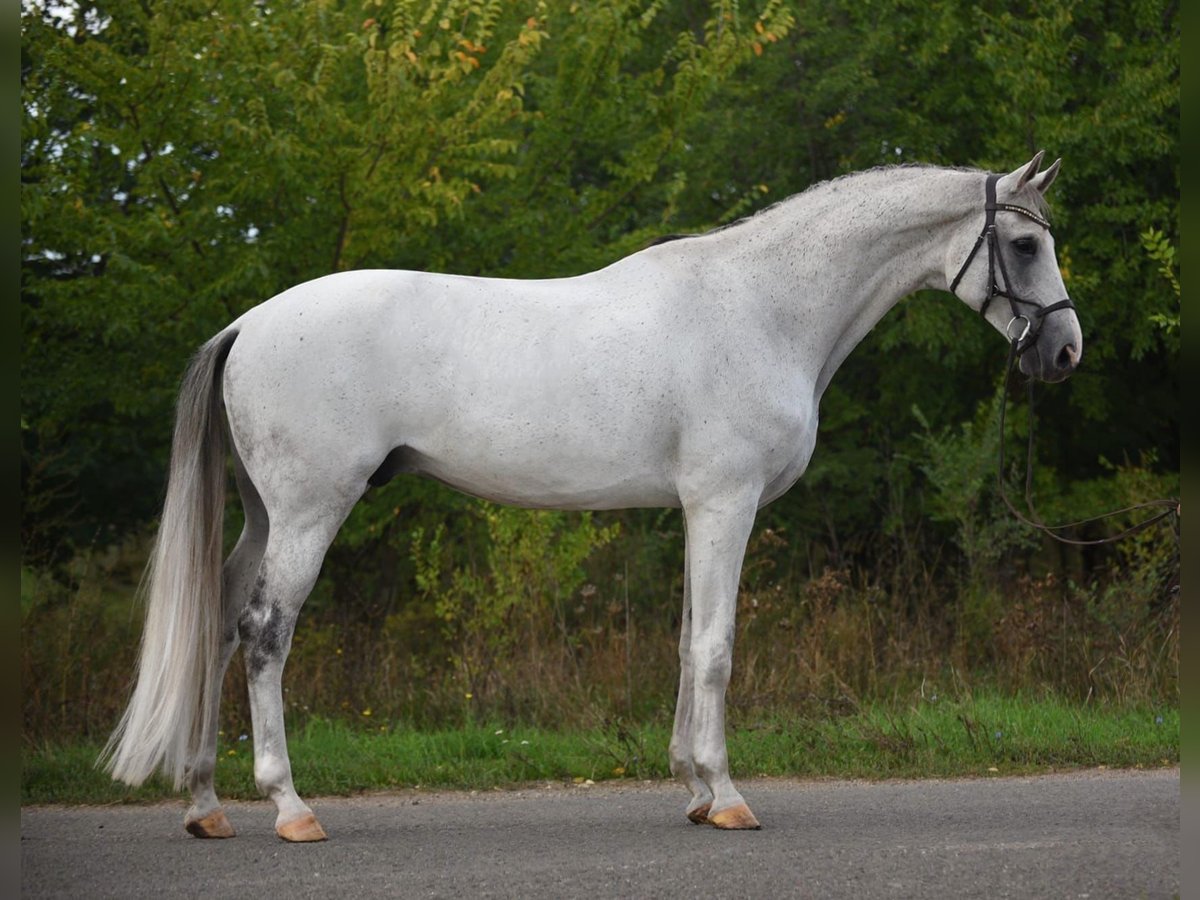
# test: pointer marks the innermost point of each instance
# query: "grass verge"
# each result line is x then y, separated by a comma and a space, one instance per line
982, 736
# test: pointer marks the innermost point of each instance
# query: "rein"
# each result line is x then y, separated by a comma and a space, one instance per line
1169, 506
1019, 343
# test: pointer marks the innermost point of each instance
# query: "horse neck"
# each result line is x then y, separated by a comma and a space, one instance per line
837, 258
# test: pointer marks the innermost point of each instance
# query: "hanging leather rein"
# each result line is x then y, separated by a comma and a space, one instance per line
1026, 337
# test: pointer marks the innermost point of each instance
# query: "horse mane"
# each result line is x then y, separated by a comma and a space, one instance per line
1039, 202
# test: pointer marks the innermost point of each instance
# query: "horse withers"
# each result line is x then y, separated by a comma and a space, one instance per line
686, 375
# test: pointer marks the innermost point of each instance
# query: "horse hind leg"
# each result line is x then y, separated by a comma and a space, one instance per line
289, 568
206, 818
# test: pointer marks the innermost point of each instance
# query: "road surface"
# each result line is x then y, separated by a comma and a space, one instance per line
1098, 834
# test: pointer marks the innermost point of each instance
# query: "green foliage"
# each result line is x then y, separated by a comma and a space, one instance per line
78, 645
960, 468
595, 660
184, 161
497, 617
922, 736
865, 84
1162, 251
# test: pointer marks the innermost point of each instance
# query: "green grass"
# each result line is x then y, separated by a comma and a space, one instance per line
983, 736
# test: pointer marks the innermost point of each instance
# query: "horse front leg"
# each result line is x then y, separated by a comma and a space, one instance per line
718, 529
680, 750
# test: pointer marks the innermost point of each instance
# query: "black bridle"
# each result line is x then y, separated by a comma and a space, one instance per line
996, 263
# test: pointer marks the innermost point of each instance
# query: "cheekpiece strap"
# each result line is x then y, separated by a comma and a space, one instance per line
988, 235
990, 205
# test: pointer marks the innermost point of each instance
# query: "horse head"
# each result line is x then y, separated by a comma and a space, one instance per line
1010, 274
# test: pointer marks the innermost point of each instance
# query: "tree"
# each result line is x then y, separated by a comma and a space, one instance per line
863, 84
184, 161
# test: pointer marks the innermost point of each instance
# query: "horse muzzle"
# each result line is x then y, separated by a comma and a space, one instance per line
1050, 361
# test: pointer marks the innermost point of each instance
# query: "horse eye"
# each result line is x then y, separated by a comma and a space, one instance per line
1025, 246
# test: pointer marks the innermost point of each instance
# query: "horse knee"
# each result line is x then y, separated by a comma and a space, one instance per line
712, 667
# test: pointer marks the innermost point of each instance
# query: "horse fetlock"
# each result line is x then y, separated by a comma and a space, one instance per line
712, 765
272, 774
681, 766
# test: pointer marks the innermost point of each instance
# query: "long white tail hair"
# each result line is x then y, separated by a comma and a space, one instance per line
168, 718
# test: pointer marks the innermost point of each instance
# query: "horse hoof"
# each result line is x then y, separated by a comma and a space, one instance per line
699, 815
735, 818
301, 830
214, 825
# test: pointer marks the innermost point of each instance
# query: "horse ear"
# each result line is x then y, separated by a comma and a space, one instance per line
1031, 170
1018, 178
1042, 182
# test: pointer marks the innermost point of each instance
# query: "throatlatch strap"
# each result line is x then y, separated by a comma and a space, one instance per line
970, 256
989, 223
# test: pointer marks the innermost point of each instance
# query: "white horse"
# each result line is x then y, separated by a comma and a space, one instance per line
686, 375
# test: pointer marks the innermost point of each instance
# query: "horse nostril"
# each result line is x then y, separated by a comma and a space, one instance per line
1068, 356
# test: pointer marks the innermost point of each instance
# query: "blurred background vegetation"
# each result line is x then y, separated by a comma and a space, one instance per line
184, 161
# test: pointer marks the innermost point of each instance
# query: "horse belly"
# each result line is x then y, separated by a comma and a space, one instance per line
534, 454
544, 481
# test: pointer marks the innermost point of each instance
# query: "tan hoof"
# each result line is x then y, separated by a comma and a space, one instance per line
301, 830
735, 818
699, 815
214, 825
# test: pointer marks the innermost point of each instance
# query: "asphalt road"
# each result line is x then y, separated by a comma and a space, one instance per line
1090, 835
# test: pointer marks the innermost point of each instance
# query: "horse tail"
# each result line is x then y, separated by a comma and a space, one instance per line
168, 717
